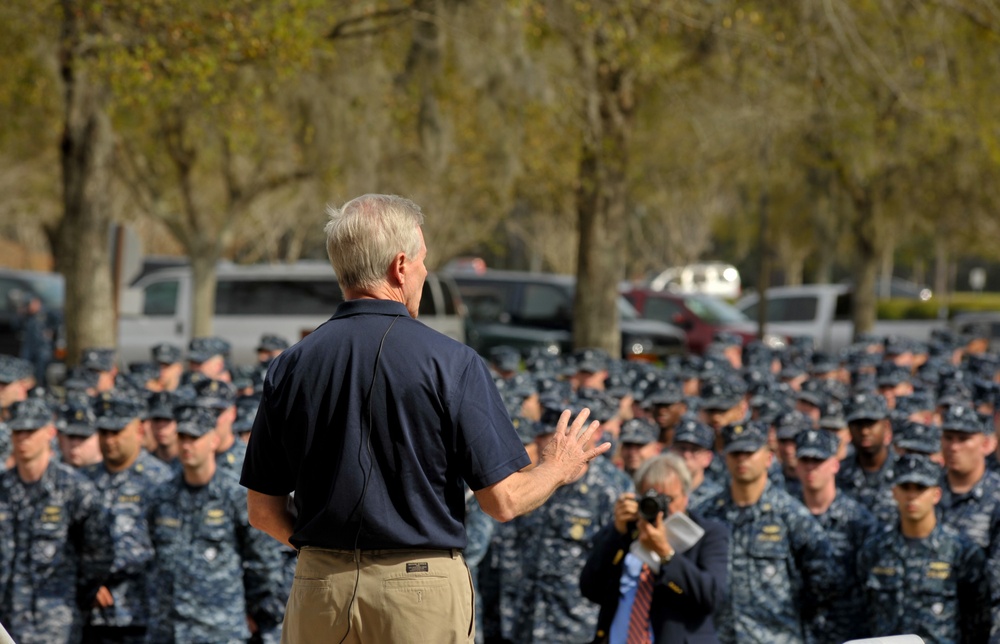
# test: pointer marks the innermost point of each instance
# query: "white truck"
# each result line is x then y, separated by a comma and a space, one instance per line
823, 311
290, 300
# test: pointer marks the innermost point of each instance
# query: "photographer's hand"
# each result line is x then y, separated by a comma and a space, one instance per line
626, 512
654, 537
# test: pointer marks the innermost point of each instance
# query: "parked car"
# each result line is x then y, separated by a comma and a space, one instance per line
16, 287
902, 289
701, 316
290, 300
712, 278
526, 310
824, 312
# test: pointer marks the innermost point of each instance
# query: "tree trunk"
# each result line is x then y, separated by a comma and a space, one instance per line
601, 208
865, 264
204, 280
81, 239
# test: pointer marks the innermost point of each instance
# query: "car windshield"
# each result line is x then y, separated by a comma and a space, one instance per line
51, 288
713, 310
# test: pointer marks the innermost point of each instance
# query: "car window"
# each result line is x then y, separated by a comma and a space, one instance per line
277, 297
10, 291
545, 303
427, 305
449, 296
792, 309
714, 311
485, 302
660, 309
843, 307
160, 298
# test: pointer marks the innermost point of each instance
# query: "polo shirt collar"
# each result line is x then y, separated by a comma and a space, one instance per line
370, 307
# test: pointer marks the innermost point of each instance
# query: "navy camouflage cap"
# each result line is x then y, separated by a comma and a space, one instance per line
961, 418
272, 342
202, 349
161, 405
669, 392
98, 359
505, 358
816, 443
727, 339
166, 353
791, 424
955, 392
919, 400
115, 412
822, 362
832, 415
812, 392
890, 374
195, 421
770, 410
13, 369
638, 431
80, 379
591, 360
917, 437
721, 392
866, 406
246, 413
77, 418
693, 431
214, 394
748, 436
917, 468
29, 414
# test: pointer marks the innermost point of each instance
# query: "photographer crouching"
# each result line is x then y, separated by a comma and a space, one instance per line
659, 571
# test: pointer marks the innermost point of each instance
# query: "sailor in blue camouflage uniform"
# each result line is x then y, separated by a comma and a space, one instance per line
4, 445
124, 480
912, 437
847, 524
207, 556
868, 475
788, 427
16, 379
921, 577
53, 536
694, 441
781, 564
970, 494
557, 538
220, 397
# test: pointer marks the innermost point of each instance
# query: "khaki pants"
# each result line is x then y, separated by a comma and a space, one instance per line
403, 596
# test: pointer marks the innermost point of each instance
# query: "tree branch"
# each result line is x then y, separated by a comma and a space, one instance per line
340, 29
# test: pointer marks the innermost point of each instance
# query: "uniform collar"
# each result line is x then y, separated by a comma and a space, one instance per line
370, 307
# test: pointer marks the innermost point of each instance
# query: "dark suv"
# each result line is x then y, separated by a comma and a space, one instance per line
527, 310
16, 287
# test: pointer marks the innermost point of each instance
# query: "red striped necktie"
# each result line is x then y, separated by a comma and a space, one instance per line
638, 621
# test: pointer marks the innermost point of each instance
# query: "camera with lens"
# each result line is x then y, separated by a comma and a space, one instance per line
652, 503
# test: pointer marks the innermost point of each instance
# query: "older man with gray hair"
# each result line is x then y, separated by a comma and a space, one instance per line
375, 422
648, 591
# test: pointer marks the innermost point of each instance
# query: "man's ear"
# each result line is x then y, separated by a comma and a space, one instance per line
397, 269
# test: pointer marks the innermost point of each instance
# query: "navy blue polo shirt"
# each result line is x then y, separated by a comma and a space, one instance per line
436, 420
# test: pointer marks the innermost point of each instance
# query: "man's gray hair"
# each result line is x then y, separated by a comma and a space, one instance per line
660, 469
364, 236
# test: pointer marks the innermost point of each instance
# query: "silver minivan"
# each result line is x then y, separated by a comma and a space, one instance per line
290, 300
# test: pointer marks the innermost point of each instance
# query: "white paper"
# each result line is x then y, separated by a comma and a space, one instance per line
682, 532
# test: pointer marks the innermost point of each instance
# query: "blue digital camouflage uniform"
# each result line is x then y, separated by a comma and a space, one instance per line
502, 575
230, 462
53, 554
703, 492
124, 495
976, 514
557, 539
4, 445
871, 489
206, 555
848, 525
934, 587
781, 566
479, 528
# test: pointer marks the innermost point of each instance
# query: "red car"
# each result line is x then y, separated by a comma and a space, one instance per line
701, 316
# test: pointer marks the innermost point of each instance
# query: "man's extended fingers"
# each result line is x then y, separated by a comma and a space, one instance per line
581, 418
587, 433
597, 451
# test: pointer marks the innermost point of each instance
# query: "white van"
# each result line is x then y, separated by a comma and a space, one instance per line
712, 278
289, 300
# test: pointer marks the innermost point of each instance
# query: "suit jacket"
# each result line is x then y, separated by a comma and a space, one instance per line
686, 593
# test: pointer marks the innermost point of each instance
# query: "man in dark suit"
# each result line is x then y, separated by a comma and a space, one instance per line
639, 603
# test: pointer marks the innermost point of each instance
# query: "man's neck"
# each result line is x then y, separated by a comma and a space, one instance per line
873, 462
918, 529
32, 471
200, 476
745, 494
121, 467
819, 501
960, 483
697, 478
167, 453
